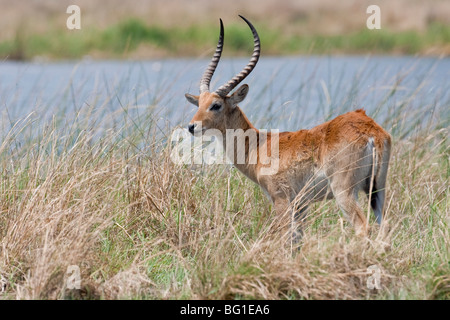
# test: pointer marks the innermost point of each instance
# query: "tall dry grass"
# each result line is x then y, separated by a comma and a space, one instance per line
137, 225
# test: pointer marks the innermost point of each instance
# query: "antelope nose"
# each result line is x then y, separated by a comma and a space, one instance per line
191, 128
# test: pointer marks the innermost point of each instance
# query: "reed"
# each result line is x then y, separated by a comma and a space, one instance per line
99, 191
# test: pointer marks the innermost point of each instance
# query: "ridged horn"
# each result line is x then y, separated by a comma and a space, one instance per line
230, 85
207, 75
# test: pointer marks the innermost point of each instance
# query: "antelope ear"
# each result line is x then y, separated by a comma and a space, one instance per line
239, 95
192, 99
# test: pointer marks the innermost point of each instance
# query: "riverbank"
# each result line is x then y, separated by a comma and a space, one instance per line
135, 39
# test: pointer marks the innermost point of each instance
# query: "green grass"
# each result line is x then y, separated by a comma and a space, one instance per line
124, 38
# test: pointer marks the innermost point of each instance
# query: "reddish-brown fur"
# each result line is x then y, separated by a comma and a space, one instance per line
338, 158
334, 159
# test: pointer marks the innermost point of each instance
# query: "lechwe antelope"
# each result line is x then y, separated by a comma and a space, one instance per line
338, 158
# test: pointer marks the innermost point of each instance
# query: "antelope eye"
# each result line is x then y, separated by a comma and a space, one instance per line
215, 107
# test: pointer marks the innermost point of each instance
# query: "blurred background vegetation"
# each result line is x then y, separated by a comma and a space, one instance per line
139, 29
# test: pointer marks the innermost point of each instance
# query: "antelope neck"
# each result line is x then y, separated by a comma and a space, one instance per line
238, 120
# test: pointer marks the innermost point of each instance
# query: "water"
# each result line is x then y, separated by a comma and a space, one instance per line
287, 93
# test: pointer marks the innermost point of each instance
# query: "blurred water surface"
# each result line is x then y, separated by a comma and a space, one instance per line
287, 93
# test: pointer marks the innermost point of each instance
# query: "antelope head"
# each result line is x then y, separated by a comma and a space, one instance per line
215, 109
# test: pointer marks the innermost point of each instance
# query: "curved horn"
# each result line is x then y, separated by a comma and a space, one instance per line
230, 85
206, 78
